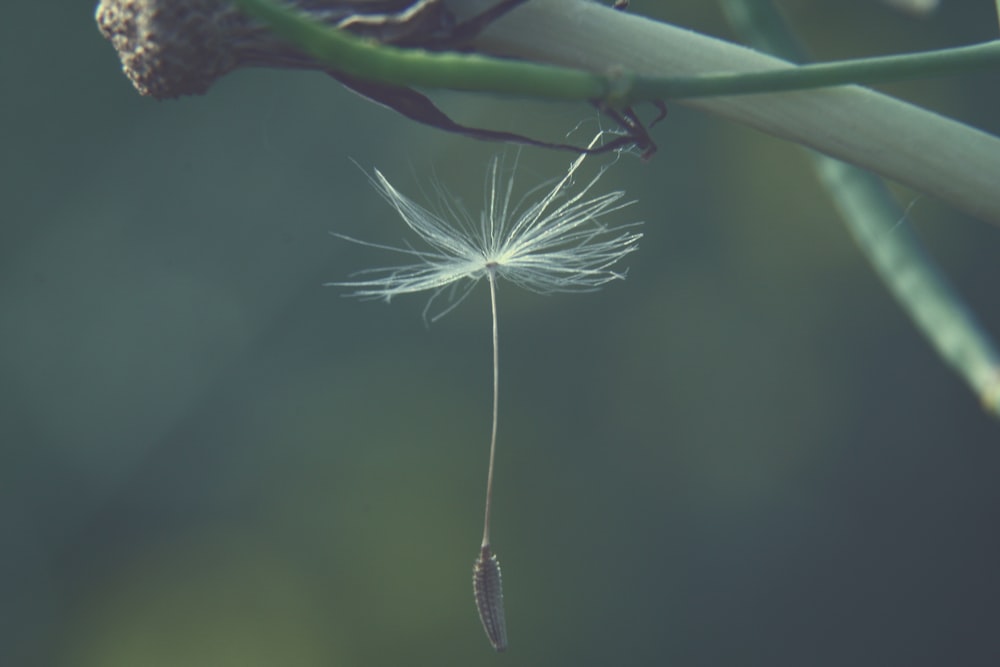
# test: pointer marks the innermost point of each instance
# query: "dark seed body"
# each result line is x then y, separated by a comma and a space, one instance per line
488, 587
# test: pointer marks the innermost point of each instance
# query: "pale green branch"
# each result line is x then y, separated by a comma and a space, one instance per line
471, 72
899, 141
607, 54
879, 227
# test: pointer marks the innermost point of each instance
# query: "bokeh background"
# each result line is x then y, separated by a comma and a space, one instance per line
742, 455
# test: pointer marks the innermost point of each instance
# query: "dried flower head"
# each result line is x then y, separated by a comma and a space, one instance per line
170, 48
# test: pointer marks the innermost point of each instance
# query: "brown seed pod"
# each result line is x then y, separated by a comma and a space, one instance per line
488, 587
170, 48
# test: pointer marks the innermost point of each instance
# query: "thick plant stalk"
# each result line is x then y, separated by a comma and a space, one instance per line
874, 219
574, 49
904, 143
879, 228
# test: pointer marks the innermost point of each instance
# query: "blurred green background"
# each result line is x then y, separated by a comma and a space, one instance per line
742, 455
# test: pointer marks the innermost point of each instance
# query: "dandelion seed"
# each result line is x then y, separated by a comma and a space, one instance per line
559, 243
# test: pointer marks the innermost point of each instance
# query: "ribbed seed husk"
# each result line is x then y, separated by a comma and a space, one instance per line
488, 587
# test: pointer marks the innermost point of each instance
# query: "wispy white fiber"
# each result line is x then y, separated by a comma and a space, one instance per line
559, 242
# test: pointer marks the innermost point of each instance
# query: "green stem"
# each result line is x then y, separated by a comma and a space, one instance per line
859, 71
371, 61
879, 228
376, 62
